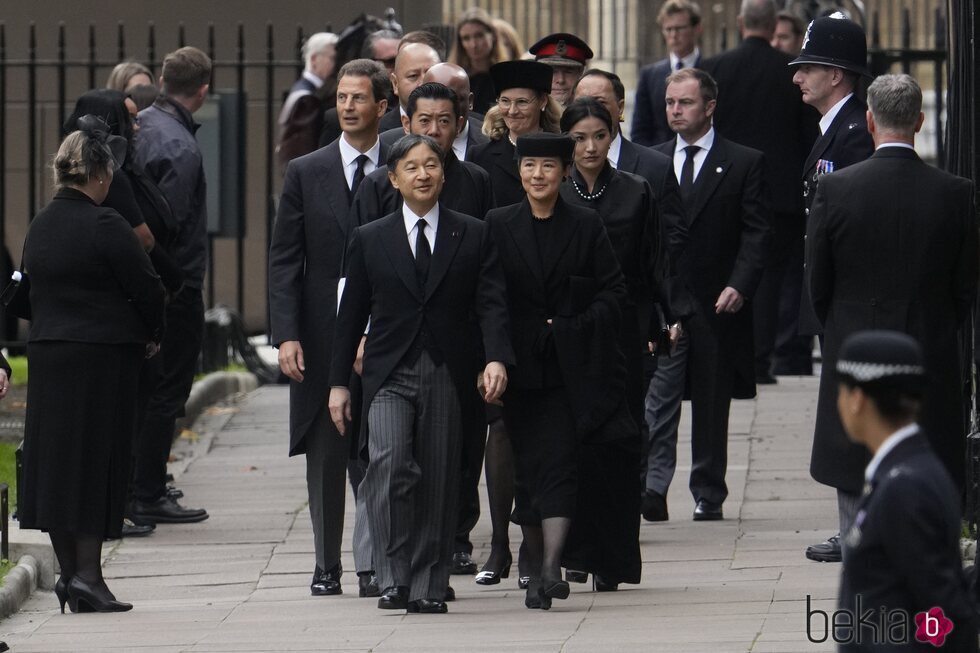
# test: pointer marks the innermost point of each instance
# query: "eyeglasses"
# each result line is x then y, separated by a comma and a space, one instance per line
677, 29
506, 103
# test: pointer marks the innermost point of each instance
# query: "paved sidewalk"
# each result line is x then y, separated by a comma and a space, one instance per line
239, 581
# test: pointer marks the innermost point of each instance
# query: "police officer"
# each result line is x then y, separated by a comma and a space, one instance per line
902, 551
567, 55
833, 58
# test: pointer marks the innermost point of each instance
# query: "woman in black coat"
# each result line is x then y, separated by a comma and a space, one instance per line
524, 107
97, 310
605, 535
565, 292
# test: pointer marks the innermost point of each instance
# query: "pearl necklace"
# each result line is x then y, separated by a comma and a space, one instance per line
512, 141
586, 196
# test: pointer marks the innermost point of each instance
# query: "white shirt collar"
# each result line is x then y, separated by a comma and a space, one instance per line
689, 60
614, 150
312, 79
348, 152
459, 143
828, 118
886, 448
411, 220
905, 145
402, 112
705, 142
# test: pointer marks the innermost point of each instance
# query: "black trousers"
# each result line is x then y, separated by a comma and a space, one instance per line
165, 385
474, 444
787, 230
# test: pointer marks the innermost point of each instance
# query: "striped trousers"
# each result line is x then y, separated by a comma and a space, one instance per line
411, 485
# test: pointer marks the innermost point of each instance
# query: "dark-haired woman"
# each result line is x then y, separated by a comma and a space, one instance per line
524, 106
97, 311
605, 537
565, 290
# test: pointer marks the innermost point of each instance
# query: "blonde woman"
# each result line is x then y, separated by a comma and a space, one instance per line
476, 49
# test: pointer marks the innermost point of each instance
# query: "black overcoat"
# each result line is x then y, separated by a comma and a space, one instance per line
892, 244
498, 159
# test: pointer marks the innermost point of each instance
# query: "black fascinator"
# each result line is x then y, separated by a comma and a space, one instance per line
102, 150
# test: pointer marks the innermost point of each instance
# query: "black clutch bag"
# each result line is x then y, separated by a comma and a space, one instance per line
15, 297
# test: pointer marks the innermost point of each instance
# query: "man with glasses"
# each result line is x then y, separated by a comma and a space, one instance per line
680, 22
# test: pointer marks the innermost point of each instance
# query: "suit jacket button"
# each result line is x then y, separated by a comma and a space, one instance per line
806, 211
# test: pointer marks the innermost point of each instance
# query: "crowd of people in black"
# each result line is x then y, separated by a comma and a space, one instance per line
473, 271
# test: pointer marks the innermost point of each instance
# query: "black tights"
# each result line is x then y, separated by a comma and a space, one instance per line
499, 465
545, 544
78, 555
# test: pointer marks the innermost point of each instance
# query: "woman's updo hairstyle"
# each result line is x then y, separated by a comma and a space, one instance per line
582, 108
85, 152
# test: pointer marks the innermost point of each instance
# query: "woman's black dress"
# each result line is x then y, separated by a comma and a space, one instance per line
96, 302
605, 533
567, 386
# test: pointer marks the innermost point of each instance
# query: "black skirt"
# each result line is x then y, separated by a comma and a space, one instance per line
81, 415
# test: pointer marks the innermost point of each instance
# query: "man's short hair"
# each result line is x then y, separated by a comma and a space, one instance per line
895, 102
792, 19
367, 49
672, 7
185, 71
432, 91
404, 144
758, 14
380, 82
316, 44
428, 38
618, 89
707, 84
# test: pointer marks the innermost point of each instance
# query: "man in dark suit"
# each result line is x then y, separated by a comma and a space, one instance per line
429, 280
413, 60
827, 71
301, 116
892, 243
470, 134
761, 108
305, 259
680, 22
727, 211
902, 554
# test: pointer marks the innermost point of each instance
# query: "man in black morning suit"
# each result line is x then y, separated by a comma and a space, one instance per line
471, 134
433, 111
411, 63
305, 259
892, 243
903, 551
727, 213
680, 22
429, 280
760, 107
833, 58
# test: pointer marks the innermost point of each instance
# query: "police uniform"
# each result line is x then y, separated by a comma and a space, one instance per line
902, 552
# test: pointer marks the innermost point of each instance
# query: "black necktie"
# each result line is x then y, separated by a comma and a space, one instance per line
423, 253
680, 64
358, 173
687, 172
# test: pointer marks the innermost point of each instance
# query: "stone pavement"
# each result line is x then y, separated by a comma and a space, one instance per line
239, 581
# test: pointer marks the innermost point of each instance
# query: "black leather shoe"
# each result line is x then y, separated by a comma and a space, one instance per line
174, 493
463, 564
828, 551
132, 529
450, 594
326, 583
573, 576
167, 511
653, 506
601, 585
426, 606
555, 589
707, 511
97, 597
523, 582
490, 576
367, 584
765, 379
394, 598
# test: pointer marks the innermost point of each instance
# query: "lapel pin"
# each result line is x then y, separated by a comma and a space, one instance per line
718, 169
455, 233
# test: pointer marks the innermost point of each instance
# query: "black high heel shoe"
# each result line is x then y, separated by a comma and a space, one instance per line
600, 584
81, 595
555, 589
535, 599
61, 591
488, 576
